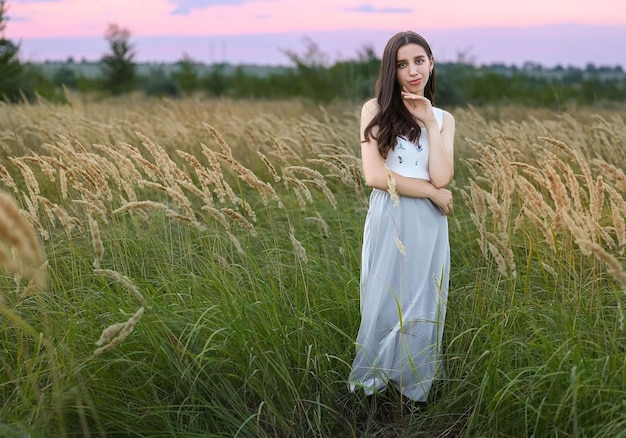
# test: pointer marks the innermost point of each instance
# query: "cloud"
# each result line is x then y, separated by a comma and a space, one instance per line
367, 8
184, 7
36, 1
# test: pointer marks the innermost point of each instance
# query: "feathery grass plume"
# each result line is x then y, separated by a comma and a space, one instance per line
283, 152
556, 188
152, 171
269, 166
305, 141
142, 206
570, 178
98, 245
613, 265
121, 329
163, 161
618, 211
27, 254
321, 184
92, 207
533, 198
46, 168
391, 187
236, 243
505, 252
29, 177
318, 219
298, 248
7, 179
123, 162
475, 201
215, 177
63, 183
217, 214
241, 220
219, 139
68, 222
541, 223
175, 193
499, 259
124, 280
265, 190
204, 177
302, 192
400, 246
584, 168
334, 171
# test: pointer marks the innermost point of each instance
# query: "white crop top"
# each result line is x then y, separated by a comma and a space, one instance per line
410, 159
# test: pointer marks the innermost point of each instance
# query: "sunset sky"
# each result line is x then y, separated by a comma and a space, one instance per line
548, 32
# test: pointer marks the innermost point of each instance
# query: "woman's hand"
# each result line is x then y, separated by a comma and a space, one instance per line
442, 198
420, 107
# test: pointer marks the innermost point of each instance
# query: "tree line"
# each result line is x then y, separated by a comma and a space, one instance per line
310, 77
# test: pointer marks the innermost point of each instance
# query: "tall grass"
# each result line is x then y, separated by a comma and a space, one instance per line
190, 268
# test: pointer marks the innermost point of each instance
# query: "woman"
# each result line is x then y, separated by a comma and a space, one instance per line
407, 154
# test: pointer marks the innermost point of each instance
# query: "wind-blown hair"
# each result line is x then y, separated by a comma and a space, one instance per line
393, 119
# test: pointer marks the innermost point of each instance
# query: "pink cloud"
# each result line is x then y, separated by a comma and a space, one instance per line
239, 17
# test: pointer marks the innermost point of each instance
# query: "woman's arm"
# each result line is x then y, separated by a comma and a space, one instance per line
374, 168
440, 142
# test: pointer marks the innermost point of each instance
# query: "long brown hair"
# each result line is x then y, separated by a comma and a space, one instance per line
393, 119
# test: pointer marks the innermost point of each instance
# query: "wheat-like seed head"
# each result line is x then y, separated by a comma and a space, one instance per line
122, 330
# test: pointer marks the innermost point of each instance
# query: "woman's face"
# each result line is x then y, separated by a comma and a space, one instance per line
413, 67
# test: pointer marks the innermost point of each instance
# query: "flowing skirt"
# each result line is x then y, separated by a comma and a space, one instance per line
404, 288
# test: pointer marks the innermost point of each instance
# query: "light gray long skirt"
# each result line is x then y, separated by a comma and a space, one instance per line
404, 288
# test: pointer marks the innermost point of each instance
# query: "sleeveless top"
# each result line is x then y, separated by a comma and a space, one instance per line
410, 159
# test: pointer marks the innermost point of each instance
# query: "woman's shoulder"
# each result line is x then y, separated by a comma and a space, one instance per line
446, 118
371, 106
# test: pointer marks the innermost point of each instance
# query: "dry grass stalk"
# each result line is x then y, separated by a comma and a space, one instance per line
612, 264
318, 219
302, 192
124, 281
241, 220
217, 214
391, 187
283, 152
98, 245
505, 252
400, 246
175, 193
121, 329
162, 160
68, 222
321, 184
47, 169
29, 177
219, 139
122, 161
298, 248
152, 171
7, 179
571, 181
236, 243
27, 255
269, 166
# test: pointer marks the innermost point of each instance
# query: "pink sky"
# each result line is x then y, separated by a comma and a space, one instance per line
32, 22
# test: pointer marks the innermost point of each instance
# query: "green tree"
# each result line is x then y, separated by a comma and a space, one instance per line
187, 75
10, 66
118, 66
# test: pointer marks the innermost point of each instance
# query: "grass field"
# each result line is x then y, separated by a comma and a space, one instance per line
190, 268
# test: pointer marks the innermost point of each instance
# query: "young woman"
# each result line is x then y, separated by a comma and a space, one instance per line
407, 153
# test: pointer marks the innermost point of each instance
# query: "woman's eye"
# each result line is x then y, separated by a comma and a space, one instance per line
401, 65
